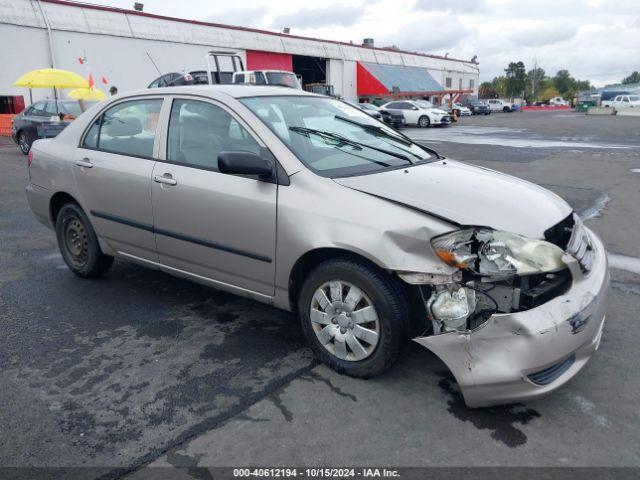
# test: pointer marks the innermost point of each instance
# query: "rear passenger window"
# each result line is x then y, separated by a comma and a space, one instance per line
200, 131
128, 128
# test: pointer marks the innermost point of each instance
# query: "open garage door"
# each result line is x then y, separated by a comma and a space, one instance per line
311, 69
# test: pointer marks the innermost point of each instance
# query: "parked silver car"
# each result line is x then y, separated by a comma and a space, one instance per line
306, 203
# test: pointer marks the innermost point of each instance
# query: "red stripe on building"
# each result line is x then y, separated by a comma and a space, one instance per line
368, 84
257, 60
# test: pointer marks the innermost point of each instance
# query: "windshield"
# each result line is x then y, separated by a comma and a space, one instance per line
332, 138
284, 79
424, 104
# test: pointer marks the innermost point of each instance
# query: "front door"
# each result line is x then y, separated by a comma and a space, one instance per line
212, 225
113, 168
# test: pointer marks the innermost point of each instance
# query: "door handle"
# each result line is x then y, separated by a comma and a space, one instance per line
85, 162
165, 179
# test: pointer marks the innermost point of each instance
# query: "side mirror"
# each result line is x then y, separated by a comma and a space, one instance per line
414, 108
244, 163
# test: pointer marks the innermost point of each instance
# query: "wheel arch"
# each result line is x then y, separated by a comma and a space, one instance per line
58, 200
309, 260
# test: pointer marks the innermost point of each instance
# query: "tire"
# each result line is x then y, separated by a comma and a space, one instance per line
424, 121
488, 113
24, 142
336, 321
78, 243
506, 109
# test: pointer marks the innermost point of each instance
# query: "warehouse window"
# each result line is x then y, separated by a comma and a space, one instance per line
459, 84
472, 83
448, 82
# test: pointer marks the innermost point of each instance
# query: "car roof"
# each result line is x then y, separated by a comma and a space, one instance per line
231, 90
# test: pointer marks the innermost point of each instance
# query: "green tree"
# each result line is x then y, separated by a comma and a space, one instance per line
564, 83
516, 75
500, 85
534, 83
547, 93
486, 90
633, 78
583, 85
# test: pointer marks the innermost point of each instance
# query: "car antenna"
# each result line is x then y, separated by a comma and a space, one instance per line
154, 63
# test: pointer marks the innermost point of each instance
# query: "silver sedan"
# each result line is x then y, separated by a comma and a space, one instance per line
304, 202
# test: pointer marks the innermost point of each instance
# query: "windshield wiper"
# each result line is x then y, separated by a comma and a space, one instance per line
347, 141
375, 129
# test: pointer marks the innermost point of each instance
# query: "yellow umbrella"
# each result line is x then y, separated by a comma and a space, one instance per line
87, 94
51, 78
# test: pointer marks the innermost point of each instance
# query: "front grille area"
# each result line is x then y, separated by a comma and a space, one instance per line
549, 374
571, 236
560, 233
581, 246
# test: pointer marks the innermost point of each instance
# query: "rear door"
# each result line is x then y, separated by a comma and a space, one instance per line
113, 168
212, 225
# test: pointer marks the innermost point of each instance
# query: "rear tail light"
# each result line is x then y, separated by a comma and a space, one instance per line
29, 158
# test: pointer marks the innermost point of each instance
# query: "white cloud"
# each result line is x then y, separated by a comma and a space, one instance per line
543, 35
320, 17
597, 40
248, 17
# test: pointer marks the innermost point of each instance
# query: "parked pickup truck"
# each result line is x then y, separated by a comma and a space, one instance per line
498, 105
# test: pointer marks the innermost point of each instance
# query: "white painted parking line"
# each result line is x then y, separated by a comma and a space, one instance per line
624, 262
505, 137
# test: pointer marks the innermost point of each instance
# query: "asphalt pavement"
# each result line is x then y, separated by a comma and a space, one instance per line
140, 368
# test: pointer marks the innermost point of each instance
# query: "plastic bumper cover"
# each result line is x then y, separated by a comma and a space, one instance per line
503, 360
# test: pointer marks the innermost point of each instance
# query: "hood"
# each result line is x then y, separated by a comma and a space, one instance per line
467, 195
438, 111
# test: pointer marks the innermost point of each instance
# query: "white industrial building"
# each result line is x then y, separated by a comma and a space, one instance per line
120, 47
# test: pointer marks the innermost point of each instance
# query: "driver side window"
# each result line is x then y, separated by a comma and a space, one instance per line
200, 131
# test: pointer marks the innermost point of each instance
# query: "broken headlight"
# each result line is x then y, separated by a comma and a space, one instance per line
497, 254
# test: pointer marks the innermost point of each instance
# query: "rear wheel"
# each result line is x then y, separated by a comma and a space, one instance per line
24, 142
506, 109
78, 243
424, 121
353, 316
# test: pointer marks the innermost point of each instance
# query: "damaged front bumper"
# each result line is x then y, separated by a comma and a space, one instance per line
523, 355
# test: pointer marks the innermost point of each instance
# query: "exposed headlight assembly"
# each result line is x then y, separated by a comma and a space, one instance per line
496, 254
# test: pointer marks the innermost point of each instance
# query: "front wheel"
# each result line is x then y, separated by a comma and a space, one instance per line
353, 316
506, 109
78, 243
24, 142
424, 121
